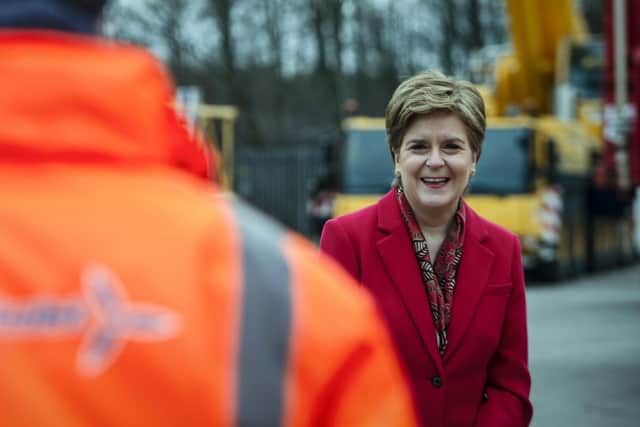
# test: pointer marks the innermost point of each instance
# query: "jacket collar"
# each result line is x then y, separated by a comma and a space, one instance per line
390, 218
71, 97
394, 247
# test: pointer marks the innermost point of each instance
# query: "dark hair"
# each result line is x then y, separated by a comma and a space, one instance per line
62, 15
91, 6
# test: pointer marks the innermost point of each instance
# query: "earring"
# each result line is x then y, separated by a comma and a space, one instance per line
473, 172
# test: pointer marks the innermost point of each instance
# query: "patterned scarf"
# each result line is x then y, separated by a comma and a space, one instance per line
439, 279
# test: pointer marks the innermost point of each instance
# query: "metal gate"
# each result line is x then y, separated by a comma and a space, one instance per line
279, 181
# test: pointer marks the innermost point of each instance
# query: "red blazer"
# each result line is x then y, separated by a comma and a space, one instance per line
483, 378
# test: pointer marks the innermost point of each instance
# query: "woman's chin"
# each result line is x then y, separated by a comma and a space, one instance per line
435, 205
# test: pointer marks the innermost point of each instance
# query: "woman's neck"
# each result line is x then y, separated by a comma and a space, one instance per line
434, 227
435, 232
434, 236
435, 221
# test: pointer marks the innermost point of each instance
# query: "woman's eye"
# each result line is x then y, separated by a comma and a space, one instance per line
452, 146
417, 146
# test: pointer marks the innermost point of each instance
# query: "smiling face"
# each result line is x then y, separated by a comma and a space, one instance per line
435, 162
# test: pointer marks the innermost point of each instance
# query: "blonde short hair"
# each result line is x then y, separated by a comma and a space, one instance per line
432, 92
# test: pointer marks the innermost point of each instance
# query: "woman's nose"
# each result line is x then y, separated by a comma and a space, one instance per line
434, 160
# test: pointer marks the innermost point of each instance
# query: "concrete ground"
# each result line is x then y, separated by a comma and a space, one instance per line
584, 338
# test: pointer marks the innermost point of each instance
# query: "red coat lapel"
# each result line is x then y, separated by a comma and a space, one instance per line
473, 273
399, 260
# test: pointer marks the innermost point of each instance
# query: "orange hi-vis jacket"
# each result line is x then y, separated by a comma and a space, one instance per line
131, 295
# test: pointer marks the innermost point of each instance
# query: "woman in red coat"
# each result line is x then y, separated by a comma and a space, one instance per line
449, 282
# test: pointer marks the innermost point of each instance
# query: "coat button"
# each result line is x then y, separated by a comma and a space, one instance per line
436, 381
485, 396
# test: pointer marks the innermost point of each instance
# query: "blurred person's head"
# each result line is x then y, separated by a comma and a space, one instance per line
435, 127
61, 15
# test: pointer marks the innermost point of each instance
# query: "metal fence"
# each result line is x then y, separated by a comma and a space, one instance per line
279, 181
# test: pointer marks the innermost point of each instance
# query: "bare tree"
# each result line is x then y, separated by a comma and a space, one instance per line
335, 16
494, 23
274, 13
383, 45
449, 41
222, 13
221, 10
475, 34
361, 47
326, 18
270, 57
316, 12
156, 23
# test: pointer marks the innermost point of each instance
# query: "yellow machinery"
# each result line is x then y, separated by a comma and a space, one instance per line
533, 179
535, 174
525, 77
220, 120
366, 168
521, 155
553, 74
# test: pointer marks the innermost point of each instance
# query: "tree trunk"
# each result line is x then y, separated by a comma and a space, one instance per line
274, 16
448, 19
222, 10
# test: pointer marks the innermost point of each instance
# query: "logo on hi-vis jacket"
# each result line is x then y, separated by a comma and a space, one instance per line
101, 313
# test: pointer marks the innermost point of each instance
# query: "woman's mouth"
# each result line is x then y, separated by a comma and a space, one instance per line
435, 182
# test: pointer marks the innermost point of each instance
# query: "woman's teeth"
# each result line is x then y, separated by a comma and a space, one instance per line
435, 180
